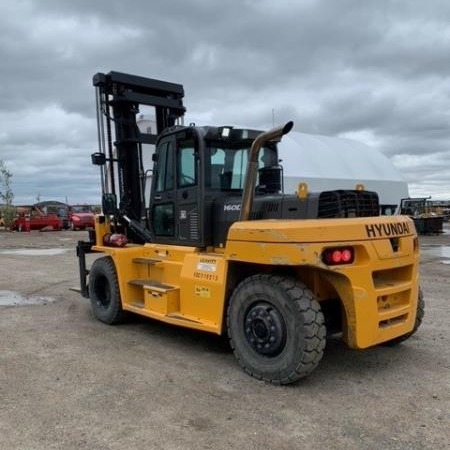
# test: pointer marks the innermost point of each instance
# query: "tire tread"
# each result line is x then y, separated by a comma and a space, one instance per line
313, 327
115, 314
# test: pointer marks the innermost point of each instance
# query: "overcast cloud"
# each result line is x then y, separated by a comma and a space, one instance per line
377, 72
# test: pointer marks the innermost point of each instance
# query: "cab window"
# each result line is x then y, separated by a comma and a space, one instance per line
164, 219
187, 164
164, 174
228, 166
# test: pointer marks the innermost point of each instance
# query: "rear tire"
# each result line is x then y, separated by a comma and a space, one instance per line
104, 291
419, 317
276, 328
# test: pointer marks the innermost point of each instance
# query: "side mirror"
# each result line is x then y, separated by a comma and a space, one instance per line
98, 159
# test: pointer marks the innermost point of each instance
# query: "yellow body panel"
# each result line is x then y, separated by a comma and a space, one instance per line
190, 287
378, 292
321, 230
184, 287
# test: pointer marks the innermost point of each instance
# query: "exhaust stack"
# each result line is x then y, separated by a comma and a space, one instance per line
252, 167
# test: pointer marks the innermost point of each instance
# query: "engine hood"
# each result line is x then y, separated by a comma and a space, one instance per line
322, 230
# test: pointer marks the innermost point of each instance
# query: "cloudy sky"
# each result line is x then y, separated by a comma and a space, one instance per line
375, 71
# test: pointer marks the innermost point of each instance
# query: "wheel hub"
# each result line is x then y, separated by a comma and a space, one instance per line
265, 329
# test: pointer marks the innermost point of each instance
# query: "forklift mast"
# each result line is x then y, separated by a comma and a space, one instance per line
118, 97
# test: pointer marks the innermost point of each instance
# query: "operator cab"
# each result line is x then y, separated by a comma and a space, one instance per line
202, 176
198, 180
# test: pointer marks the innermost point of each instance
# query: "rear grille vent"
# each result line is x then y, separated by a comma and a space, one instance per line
343, 203
193, 225
257, 215
271, 206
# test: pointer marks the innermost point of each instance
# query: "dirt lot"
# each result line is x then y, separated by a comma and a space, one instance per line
70, 382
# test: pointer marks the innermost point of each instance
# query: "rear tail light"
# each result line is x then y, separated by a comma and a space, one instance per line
338, 255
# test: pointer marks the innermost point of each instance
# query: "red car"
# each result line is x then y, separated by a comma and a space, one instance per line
36, 221
80, 217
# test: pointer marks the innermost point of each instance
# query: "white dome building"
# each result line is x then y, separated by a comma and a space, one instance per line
328, 163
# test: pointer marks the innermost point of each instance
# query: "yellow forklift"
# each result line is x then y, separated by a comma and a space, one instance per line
219, 247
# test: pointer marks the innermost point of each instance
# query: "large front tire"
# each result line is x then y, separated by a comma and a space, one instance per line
104, 291
276, 328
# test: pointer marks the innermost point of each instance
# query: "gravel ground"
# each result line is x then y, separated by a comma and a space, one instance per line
70, 382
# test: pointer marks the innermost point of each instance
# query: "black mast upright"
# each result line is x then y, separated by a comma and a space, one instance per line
122, 94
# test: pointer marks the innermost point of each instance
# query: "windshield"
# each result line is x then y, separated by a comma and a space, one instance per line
227, 166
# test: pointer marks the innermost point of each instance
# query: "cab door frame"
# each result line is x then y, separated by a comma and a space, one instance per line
176, 202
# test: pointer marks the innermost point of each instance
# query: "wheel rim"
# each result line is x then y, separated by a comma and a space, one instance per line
102, 292
265, 329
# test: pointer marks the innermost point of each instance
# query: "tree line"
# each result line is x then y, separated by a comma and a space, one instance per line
6, 195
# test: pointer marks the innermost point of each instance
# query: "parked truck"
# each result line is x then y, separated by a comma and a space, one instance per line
34, 218
221, 249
